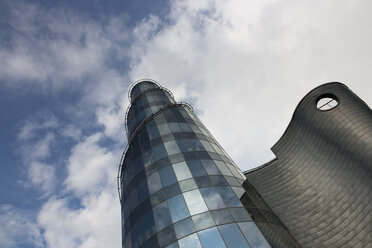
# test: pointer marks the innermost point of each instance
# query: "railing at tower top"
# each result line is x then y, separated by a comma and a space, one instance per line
139, 95
136, 131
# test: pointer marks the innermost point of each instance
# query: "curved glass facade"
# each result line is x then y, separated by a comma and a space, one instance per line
179, 188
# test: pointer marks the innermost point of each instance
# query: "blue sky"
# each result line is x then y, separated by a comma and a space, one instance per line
65, 68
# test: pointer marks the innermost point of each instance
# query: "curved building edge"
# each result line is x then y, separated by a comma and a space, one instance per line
320, 183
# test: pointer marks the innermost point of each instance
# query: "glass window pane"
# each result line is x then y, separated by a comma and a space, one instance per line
207, 146
223, 168
174, 127
178, 209
172, 190
191, 241
162, 216
195, 202
166, 236
210, 167
212, 198
142, 190
164, 129
159, 151
136, 234
232, 236
148, 225
133, 199
211, 238
154, 183
229, 196
222, 216
184, 228
239, 192
167, 176
240, 214
171, 147
173, 245
196, 168
182, 171
202, 221
152, 130
188, 184
253, 235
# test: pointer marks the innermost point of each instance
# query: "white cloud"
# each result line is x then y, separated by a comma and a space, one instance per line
42, 175
58, 49
249, 63
95, 224
91, 167
16, 228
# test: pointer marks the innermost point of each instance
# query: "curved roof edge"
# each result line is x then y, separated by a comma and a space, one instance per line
287, 128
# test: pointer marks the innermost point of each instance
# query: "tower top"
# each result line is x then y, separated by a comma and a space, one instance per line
140, 86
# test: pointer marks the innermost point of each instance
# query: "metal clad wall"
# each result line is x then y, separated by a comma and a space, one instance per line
320, 185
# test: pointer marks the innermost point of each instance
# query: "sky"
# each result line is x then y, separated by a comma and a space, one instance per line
66, 66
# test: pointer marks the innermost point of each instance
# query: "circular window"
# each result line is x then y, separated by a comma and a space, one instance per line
326, 102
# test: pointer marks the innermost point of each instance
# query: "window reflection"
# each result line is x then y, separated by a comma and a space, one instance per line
154, 183
162, 216
212, 198
229, 196
211, 238
184, 228
232, 236
253, 235
182, 171
195, 202
191, 241
178, 209
167, 176
210, 167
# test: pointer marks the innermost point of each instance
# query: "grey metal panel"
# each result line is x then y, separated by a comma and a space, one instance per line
320, 185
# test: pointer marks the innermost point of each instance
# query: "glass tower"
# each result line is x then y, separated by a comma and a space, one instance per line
177, 186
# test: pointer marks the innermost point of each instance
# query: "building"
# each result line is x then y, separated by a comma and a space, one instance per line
320, 184
179, 188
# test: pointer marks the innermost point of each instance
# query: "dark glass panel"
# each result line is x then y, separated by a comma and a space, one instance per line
178, 209
211, 238
203, 220
232, 236
136, 235
218, 180
203, 181
159, 151
222, 216
154, 182
210, 167
191, 241
167, 176
253, 235
157, 197
196, 168
240, 214
172, 190
229, 196
232, 181
166, 236
187, 185
142, 190
212, 198
223, 168
148, 225
162, 216
184, 228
